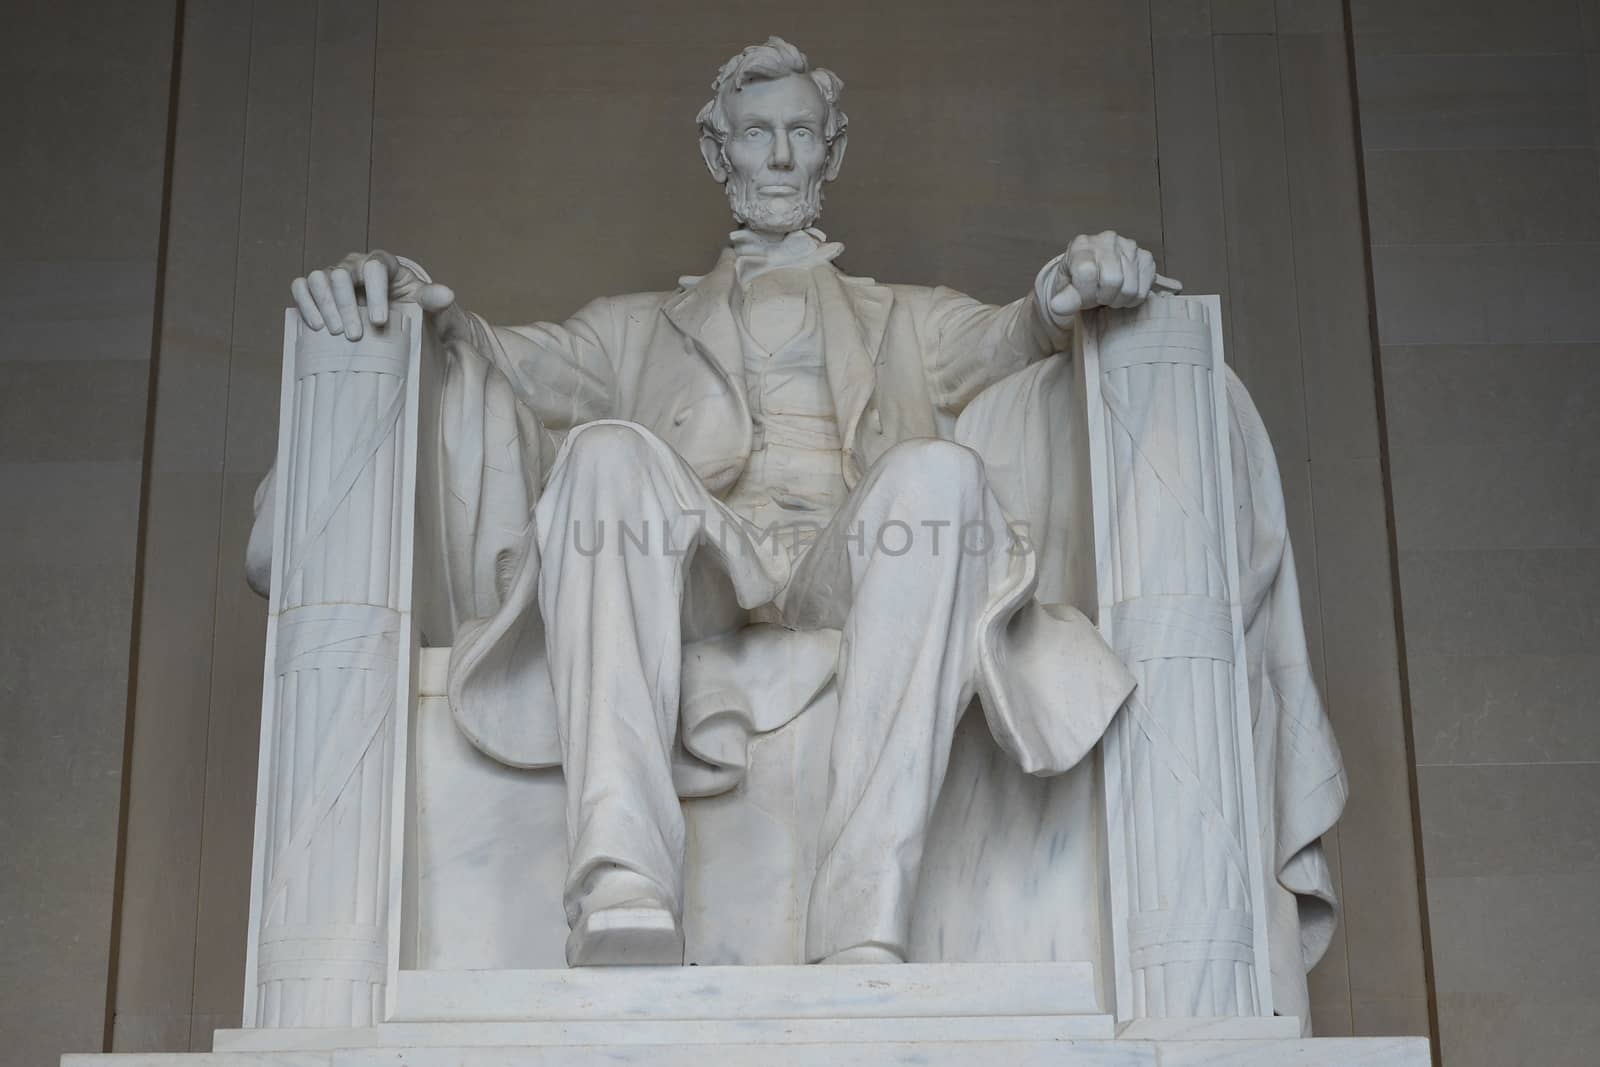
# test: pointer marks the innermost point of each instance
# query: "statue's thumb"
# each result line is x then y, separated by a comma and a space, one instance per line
1067, 302
435, 297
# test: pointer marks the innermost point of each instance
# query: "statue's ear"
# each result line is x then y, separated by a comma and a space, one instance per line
711, 152
835, 156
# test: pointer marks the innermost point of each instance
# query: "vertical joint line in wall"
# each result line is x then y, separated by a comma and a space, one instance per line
1222, 189
311, 138
1386, 473
141, 532
1300, 335
238, 232
1315, 561
1299, 312
372, 116
222, 500
1155, 109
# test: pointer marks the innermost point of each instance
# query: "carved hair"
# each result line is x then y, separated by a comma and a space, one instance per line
775, 59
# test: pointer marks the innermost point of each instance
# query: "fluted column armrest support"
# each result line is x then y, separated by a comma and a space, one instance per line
325, 908
1187, 916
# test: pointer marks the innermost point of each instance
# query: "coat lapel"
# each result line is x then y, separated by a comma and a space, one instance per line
704, 317
855, 313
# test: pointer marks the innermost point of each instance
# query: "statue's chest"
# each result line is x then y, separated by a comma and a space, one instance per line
785, 366
774, 308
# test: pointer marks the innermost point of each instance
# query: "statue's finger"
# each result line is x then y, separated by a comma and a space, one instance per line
1084, 270
1130, 273
1147, 273
1109, 292
322, 293
1113, 278
375, 283
344, 294
390, 261
305, 304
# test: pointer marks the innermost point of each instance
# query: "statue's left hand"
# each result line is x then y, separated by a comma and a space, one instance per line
1106, 270
327, 299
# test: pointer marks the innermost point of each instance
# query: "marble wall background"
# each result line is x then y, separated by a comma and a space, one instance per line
509, 147
83, 131
1479, 124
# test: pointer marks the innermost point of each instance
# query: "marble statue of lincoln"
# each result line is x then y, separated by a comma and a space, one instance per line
677, 516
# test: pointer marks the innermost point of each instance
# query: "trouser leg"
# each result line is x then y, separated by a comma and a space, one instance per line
613, 617
906, 672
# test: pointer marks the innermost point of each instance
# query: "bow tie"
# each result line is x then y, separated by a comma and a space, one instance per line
754, 255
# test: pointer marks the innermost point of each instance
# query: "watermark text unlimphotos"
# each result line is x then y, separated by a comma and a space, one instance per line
678, 536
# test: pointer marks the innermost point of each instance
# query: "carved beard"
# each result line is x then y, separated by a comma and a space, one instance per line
774, 214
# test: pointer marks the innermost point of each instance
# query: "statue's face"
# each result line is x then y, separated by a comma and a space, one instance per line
776, 153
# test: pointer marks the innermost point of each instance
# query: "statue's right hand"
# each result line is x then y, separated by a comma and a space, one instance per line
326, 299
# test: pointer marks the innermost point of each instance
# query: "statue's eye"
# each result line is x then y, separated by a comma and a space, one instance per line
753, 132
802, 133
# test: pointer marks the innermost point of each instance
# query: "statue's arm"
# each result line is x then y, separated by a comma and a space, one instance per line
565, 373
969, 345
562, 372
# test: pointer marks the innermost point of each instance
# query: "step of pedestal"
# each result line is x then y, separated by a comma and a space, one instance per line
661, 1033
1325, 1052
599, 994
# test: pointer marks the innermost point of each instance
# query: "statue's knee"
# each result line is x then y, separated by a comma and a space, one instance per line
609, 452
935, 464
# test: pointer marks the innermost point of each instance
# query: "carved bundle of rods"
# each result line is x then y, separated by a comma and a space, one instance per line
1185, 888
328, 738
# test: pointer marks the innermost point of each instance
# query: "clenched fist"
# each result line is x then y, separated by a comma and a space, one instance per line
1105, 270
327, 299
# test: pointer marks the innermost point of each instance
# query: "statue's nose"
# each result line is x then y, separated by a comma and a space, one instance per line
782, 158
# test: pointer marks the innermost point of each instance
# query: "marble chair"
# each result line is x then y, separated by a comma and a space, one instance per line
393, 858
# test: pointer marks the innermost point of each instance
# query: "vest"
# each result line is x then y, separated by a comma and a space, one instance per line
794, 481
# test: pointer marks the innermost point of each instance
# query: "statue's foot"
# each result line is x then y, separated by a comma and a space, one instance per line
868, 953
633, 934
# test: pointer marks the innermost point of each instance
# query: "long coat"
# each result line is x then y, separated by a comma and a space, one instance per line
902, 362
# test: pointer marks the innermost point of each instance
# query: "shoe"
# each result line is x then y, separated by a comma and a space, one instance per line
634, 934
868, 953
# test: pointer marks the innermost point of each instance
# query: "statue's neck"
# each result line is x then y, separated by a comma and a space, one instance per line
769, 238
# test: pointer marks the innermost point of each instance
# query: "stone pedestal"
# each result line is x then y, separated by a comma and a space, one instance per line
484, 1047
935, 1015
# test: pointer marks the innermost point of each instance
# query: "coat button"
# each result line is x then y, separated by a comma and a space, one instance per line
680, 416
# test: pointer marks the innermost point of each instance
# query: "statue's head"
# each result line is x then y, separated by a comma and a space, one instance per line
772, 133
